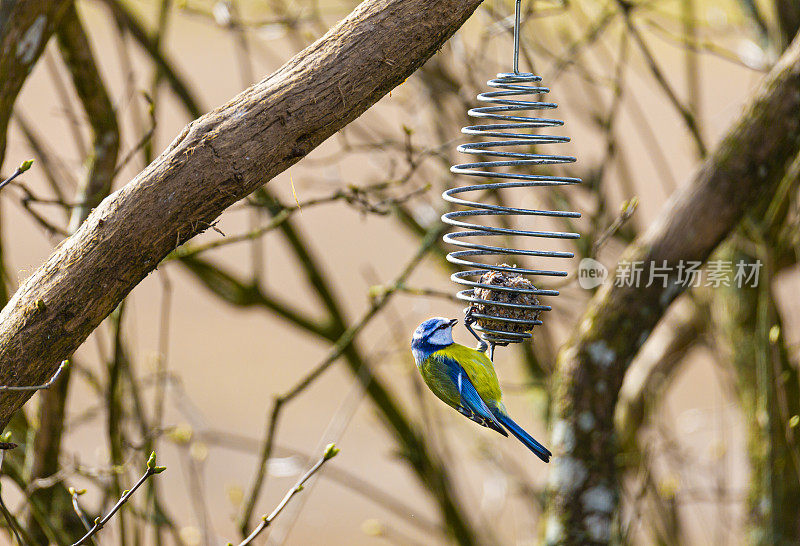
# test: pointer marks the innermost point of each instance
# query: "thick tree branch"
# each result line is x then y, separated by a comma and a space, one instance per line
217, 160
744, 171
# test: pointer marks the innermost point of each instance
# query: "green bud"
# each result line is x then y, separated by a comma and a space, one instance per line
331, 451
376, 291
629, 206
151, 462
794, 420
159, 469
6, 436
299, 488
25, 165
373, 528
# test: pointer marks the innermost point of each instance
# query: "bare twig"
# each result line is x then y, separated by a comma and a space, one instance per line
330, 452
626, 211
12, 522
351, 195
99, 523
47, 385
75, 493
152, 46
24, 166
688, 117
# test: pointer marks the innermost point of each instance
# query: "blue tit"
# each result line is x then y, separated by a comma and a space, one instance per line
465, 380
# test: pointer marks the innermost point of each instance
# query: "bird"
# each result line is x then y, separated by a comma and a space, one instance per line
464, 379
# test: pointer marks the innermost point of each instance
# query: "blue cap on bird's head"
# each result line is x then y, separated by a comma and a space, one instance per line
434, 331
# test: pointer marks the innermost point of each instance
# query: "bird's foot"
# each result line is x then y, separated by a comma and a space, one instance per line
469, 320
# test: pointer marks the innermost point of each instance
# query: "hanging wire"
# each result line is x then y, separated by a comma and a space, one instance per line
517, 26
504, 148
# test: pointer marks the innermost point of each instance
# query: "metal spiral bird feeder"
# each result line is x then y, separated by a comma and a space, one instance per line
504, 305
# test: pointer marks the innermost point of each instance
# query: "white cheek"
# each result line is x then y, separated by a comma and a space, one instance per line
442, 337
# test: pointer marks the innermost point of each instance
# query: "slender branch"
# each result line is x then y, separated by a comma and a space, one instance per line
77, 507
688, 117
144, 141
15, 388
52, 167
352, 195
341, 476
99, 523
24, 166
152, 46
12, 522
627, 210
330, 452
91, 90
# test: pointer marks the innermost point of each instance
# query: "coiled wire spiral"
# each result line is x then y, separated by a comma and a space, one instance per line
512, 134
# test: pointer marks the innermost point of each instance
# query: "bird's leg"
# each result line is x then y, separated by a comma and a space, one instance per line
468, 321
491, 352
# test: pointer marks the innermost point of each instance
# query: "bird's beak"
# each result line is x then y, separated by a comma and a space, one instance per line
453, 322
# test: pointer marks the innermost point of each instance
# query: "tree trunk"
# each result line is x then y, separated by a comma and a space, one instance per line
743, 172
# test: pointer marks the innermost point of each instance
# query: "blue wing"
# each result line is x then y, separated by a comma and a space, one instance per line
471, 404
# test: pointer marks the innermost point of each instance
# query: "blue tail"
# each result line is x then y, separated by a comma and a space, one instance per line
542, 452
